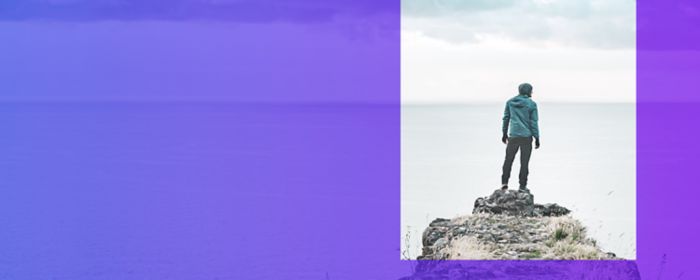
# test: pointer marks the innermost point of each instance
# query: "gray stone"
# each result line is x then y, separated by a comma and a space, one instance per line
550, 209
440, 222
516, 203
442, 242
432, 234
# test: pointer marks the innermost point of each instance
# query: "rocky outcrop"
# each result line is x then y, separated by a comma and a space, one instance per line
509, 225
516, 203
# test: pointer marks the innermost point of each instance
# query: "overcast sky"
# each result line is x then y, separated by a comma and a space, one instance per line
202, 50
480, 50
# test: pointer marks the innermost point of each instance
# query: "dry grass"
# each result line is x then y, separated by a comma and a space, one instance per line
565, 240
573, 251
469, 248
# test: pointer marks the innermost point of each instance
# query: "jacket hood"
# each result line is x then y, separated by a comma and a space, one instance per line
525, 89
518, 102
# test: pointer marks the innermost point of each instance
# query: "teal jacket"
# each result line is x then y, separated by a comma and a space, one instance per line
521, 117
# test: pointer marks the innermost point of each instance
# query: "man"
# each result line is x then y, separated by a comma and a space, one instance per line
520, 117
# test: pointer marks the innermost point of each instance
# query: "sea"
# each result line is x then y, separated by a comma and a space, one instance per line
161, 190
452, 154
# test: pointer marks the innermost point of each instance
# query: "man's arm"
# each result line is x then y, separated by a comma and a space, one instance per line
506, 122
534, 126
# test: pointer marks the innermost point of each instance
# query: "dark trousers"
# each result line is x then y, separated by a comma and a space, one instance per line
524, 144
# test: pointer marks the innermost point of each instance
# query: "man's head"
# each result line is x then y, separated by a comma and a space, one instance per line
525, 89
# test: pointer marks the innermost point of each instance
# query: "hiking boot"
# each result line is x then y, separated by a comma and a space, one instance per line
524, 189
504, 187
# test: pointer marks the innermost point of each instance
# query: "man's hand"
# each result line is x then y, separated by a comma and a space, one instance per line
537, 143
504, 139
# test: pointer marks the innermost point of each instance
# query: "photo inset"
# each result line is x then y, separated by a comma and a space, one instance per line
518, 130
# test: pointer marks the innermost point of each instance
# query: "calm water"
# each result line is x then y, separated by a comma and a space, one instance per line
450, 155
160, 191
152, 190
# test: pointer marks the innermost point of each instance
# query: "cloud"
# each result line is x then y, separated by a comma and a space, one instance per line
439, 7
579, 23
221, 10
